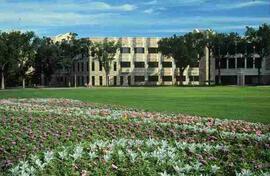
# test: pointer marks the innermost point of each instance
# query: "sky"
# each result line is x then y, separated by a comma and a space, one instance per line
131, 18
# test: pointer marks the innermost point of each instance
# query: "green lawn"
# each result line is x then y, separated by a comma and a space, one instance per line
247, 103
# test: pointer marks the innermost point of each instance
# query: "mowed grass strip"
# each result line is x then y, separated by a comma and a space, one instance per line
230, 102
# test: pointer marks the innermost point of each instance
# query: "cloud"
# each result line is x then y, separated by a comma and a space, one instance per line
151, 2
154, 10
149, 11
66, 6
239, 5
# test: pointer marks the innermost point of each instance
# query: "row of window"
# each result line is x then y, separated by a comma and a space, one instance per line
80, 67
81, 81
139, 50
136, 65
240, 63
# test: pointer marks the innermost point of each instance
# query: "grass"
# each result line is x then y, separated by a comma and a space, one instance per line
244, 103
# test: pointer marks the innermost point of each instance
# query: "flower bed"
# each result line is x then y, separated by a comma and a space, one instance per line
115, 140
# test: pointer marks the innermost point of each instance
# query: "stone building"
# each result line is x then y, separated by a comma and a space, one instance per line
139, 63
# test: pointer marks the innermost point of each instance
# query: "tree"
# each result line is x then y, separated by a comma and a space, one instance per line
26, 54
219, 50
71, 50
259, 42
46, 59
3, 60
105, 52
183, 49
263, 45
9, 50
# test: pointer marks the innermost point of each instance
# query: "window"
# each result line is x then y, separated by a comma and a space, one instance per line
139, 64
78, 67
178, 78
139, 78
73, 67
153, 78
231, 63
115, 66
166, 78
100, 80
121, 80
217, 61
87, 66
152, 64
125, 64
193, 78
139, 50
82, 67
100, 66
93, 66
129, 80
258, 63
167, 64
250, 62
82, 81
125, 50
223, 63
93, 81
78, 80
152, 50
115, 80
240, 62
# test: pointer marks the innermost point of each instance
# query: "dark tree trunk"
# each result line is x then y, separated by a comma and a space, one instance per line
2, 80
23, 82
219, 74
181, 72
42, 78
259, 76
259, 71
107, 79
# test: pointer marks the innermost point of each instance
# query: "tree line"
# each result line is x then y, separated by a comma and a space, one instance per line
189, 48
25, 56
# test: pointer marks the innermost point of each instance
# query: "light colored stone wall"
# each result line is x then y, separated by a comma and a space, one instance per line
126, 76
133, 57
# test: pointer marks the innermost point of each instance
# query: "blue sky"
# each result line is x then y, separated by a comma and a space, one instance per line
155, 18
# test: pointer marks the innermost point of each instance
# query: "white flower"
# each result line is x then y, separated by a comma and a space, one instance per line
31, 170
48, 156
144, 155
197, 166
214, 168
187, 168
39, 164
63, 154
78, 151
192, 148
15, 170
177, 169
244, 172
164, 173
107, 157
24, 165
120, 154
92, 155
133, 156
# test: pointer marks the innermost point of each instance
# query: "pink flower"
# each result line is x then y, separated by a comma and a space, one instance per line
258, 132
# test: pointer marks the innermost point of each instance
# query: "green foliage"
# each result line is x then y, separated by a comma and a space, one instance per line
46, 59
105, 53
26, 52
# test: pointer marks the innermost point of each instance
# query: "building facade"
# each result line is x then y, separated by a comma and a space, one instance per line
138, 63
